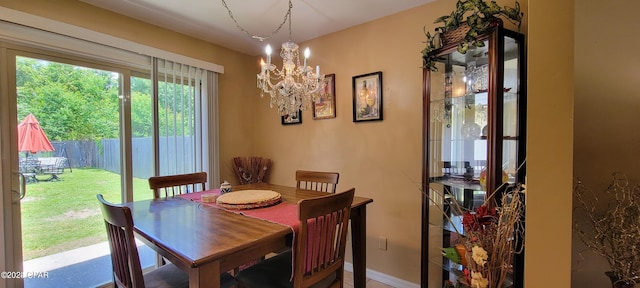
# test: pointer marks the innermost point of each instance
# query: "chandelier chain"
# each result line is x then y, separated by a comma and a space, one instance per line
287, 16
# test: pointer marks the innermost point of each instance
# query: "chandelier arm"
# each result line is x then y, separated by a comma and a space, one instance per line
287, 16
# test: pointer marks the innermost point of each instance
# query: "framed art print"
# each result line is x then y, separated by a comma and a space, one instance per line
367, 97
324, 106
295, 119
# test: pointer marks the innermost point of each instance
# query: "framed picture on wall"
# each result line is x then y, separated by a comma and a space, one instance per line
367, 97
324, 106
292, 119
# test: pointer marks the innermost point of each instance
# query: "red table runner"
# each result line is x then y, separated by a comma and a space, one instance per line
282, 213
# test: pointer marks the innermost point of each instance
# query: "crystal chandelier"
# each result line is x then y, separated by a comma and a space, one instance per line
293, 87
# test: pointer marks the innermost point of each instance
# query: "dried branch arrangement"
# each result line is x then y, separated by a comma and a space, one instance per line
609, 225
251, 169
490, 237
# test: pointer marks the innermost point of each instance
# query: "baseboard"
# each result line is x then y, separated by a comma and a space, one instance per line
384, 278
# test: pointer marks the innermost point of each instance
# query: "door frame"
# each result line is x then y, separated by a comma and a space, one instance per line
9, 233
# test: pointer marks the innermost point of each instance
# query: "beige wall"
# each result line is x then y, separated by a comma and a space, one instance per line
382, 159
236, 98
607, 73
550, 144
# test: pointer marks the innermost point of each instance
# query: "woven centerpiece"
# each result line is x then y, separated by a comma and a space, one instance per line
249, 199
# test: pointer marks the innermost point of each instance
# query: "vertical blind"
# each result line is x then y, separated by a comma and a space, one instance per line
186, 98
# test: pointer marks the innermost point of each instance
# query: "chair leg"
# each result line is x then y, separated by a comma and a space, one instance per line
160, 261
30, 178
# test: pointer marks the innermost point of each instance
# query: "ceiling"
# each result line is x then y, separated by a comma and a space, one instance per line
210, 21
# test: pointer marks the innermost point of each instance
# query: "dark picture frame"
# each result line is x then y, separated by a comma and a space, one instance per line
367, 97
324, 107
287, 120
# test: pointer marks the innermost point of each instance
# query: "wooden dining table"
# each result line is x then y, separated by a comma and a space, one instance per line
204, 241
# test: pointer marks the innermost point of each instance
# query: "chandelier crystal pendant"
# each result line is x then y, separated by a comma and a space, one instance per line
293, 87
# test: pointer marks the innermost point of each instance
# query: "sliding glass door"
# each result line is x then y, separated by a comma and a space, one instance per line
80, 106
112, 124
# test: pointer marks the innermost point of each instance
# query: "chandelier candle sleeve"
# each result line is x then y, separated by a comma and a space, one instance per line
307, 53
268, 50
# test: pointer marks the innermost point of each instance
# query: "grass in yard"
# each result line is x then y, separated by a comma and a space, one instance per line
63, 215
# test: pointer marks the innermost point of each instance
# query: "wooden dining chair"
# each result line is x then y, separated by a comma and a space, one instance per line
319, 181
319, 248
127, 271
171, 185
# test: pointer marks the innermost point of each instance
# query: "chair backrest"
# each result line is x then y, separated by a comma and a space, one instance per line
321, 242
172, 185
127, 271
319, 181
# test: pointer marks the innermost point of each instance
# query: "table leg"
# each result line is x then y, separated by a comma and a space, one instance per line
205, 276
359, 245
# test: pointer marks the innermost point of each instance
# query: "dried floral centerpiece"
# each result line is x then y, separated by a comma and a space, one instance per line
609, 225
251, 169
490, 239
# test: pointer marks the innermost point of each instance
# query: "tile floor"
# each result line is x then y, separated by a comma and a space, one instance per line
76, 268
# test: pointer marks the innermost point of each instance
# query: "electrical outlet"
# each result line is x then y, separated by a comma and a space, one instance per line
382, 243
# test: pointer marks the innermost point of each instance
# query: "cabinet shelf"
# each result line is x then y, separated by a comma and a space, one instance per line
447, 265
470, 184
503, 138
460, 100
455, 225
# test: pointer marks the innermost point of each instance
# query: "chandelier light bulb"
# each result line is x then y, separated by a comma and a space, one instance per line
307, 52
268, 50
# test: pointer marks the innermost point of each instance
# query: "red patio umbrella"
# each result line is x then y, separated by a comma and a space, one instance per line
31, 137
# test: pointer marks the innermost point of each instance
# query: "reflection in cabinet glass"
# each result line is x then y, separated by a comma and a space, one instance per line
473, 141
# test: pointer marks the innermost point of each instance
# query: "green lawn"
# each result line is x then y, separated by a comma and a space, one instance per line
63, 215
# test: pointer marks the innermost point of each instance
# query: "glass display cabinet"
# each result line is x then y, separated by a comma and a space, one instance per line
474, 113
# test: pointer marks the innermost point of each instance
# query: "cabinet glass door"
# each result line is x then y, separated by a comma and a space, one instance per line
457, 147
458, 119
511, 87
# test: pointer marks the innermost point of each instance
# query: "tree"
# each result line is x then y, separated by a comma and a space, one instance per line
78, 103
